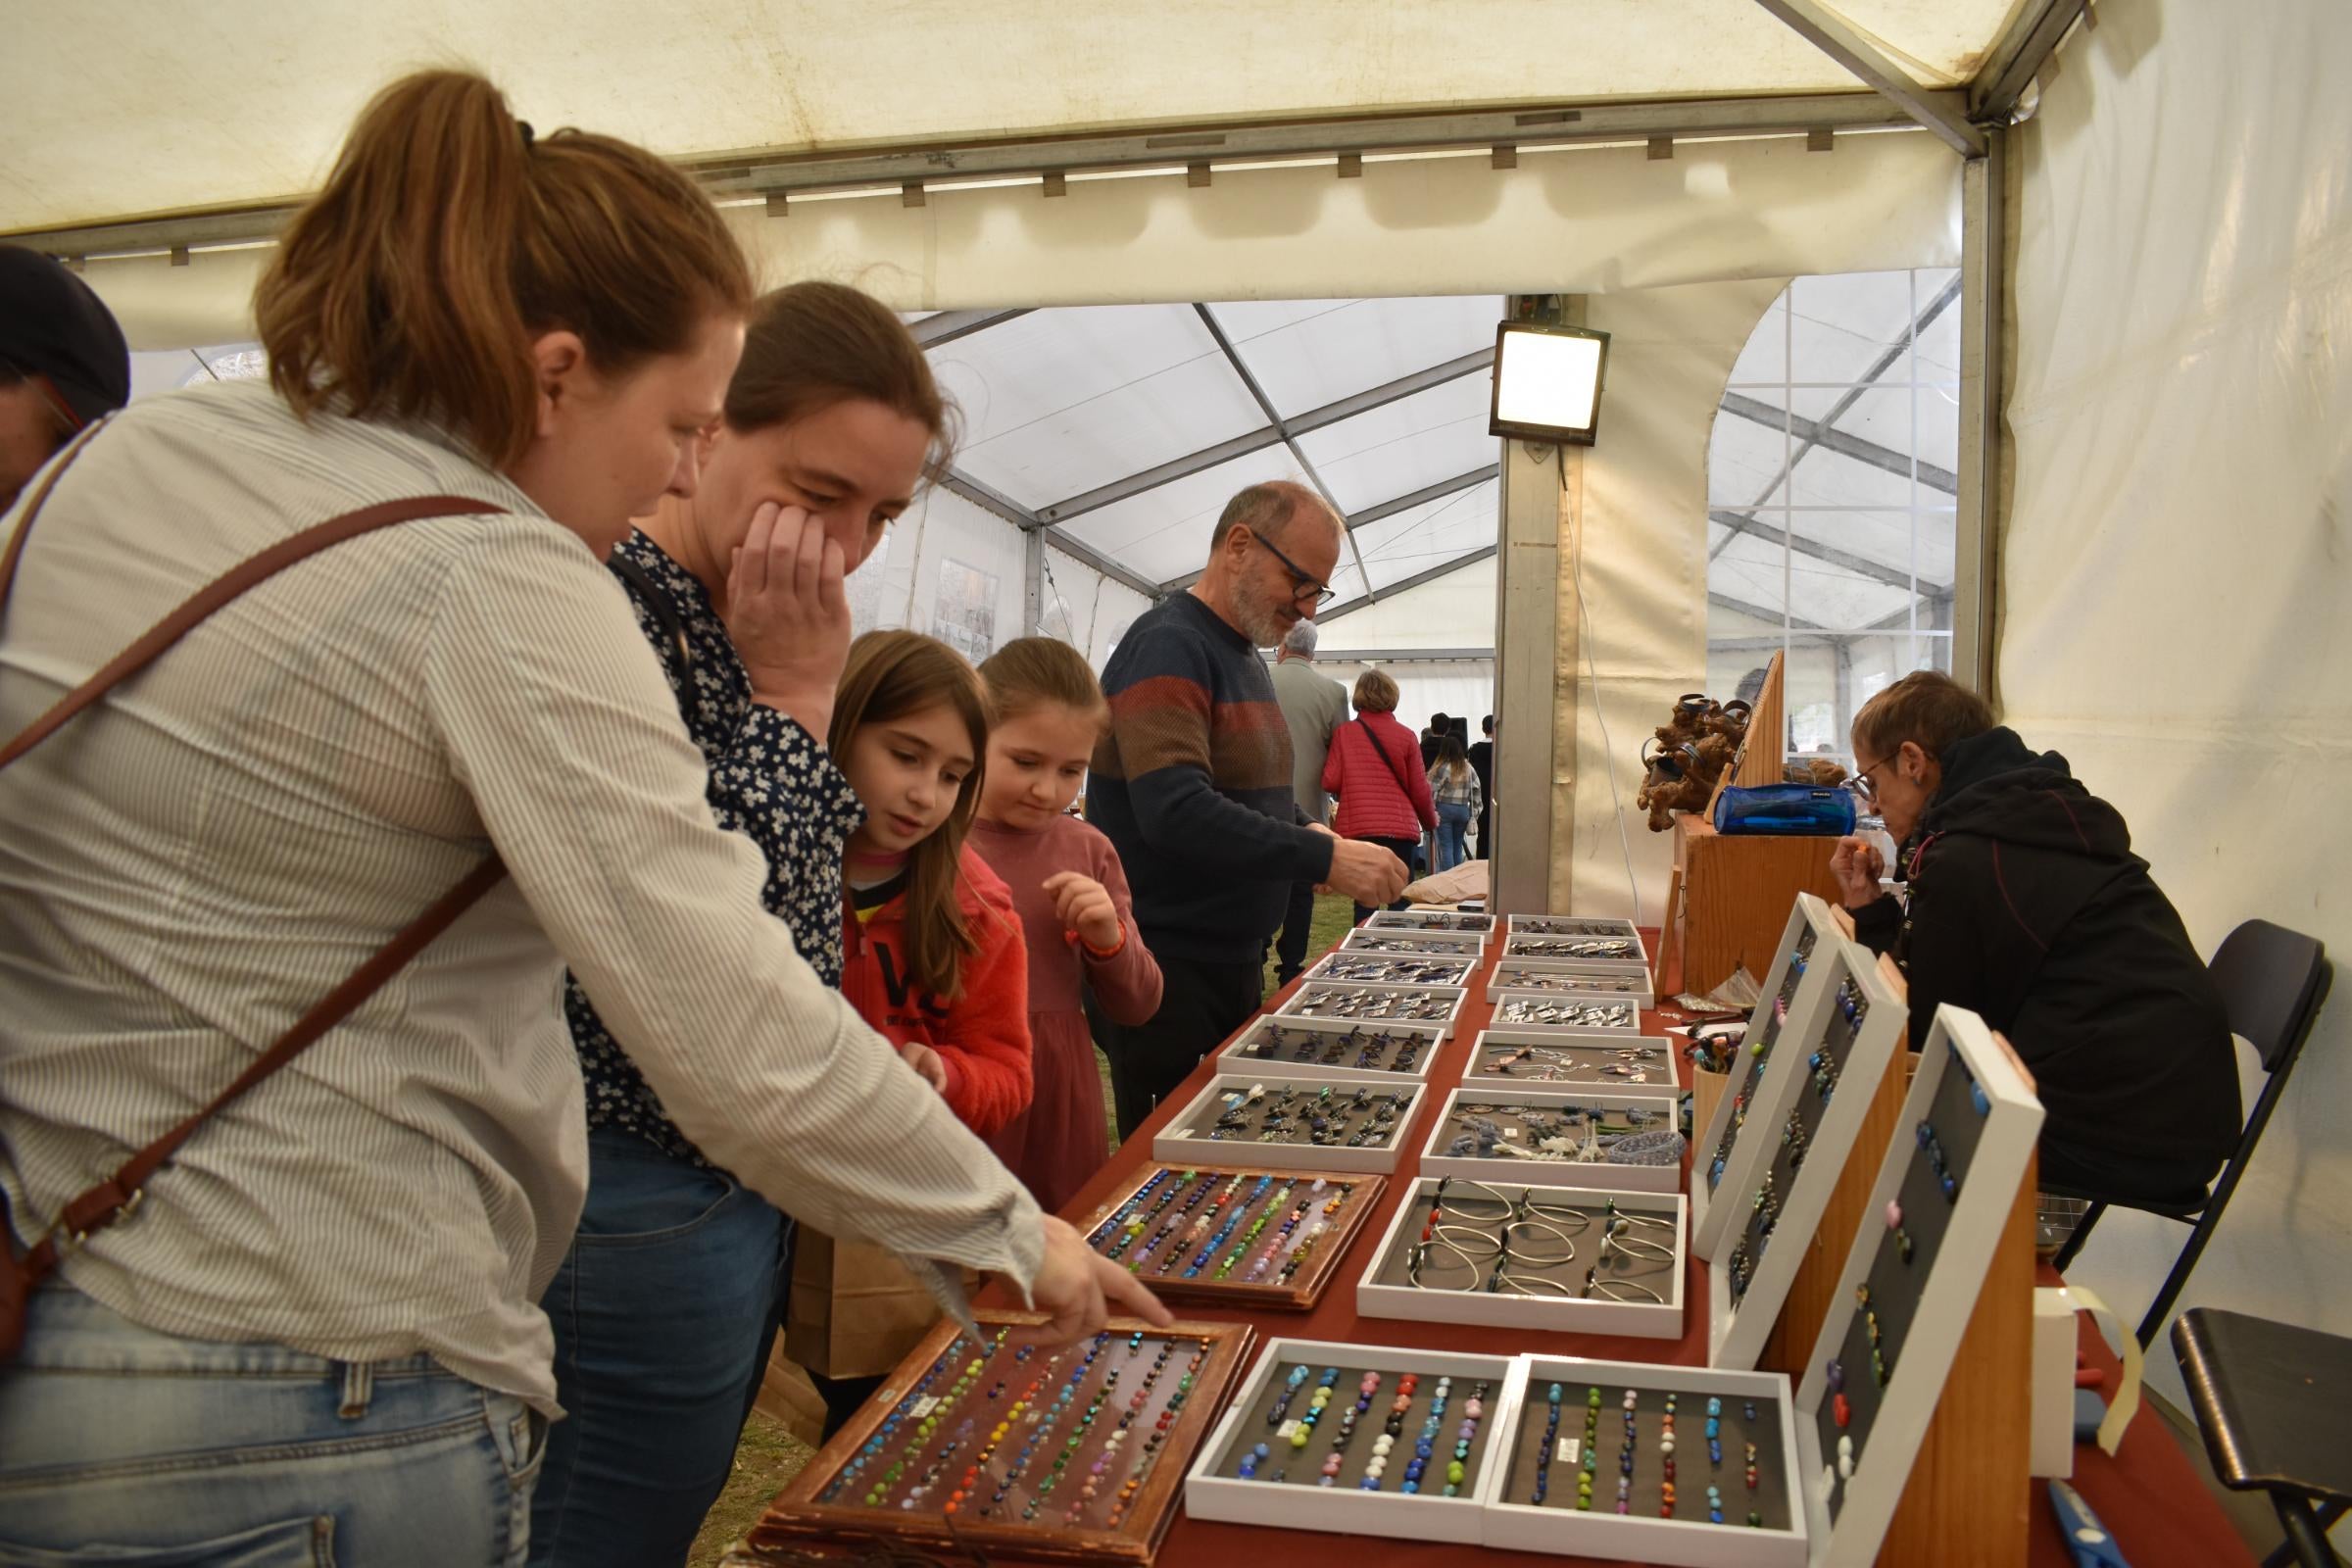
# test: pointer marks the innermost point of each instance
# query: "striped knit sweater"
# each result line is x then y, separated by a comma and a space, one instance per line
1193, 787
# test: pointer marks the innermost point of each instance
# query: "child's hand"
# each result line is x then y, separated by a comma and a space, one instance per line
923, 1059
1084, 905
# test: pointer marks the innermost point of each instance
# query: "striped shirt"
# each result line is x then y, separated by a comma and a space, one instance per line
186, 869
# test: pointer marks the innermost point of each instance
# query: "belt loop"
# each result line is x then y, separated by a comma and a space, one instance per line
359, 1389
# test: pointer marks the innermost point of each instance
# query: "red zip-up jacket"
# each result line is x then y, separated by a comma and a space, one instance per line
1373, 803
982, 1035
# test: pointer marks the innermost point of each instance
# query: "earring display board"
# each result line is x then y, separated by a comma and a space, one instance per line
1324, 1048
1538, 1011
1286, 1123
1514, 975
1844, 1057
1622, 954
1302, 1447
1565, 1260
1235, 1236
1945, 1199
1396, 968
1434, 920
1591, 937
1621, 1139
1629, 1462
1371, 939
996, 1445
1742, 1134
1349, 1003
1552, 1057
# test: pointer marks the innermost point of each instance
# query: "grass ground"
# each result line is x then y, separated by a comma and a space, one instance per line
767, 1457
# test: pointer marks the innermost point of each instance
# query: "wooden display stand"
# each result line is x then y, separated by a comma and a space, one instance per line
1736, 892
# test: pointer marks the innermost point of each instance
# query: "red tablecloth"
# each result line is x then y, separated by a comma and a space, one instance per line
2147, 1494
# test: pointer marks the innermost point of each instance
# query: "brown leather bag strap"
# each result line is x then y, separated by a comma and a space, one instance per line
120, 1193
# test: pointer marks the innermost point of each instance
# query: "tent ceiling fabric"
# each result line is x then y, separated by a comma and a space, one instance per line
228, 102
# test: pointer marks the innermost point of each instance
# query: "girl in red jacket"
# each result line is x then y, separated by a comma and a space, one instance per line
1374, 767
931, 949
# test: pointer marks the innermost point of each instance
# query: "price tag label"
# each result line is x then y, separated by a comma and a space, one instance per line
924, 1408
1569, 1450
1285, 1431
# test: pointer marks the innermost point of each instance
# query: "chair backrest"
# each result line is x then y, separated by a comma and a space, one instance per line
2274, 982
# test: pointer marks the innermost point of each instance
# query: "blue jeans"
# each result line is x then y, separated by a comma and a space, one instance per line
137, 1449
664, 1315
1453, 824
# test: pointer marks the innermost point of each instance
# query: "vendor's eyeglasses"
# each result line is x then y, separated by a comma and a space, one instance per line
1861, 783
1304, 588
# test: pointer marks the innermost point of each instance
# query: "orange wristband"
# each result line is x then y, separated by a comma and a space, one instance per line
1109, 951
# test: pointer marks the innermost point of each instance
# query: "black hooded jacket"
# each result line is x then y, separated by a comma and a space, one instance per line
2028, 906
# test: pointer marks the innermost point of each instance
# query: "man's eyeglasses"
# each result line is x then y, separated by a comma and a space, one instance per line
1304, 588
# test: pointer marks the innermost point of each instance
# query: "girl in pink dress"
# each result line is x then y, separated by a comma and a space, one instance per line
1071, 895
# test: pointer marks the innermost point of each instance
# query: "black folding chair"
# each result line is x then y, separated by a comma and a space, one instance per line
2271, 1400
2274, 982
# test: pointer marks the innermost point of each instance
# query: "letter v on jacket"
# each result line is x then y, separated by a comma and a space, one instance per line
982, 1033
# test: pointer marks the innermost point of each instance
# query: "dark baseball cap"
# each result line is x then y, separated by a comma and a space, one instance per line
51, 326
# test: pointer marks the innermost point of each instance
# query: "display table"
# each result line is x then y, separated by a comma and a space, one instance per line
2148, 1494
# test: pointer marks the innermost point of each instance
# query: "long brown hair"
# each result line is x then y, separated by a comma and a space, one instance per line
809, 346
889, 675
1031, 673
449, 237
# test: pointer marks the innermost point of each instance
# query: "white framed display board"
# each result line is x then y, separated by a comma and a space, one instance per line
1434, 921
1641, 1535
1376, 939
1877, 1371
1334, 1049
1194, 1136
1655, 1220
1850, 1050
1655, 1113
1555, 1058
1214, 1489
1509, 975
1543, 1013
1352, 1003
1396, 968
1731, 1149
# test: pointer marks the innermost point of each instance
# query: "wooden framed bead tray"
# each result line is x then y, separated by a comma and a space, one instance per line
1851, 1046
1351, 1003
1566, 1457
1434, 920
1241, 1237
1547, 1012
1290, 1123
1335, 1049
1374, 938
1287, 1486
1551, 1057
1508, 1254
1624, 1140
1729, 1157
1945, 1190
1559, 981
1396, 968
996, 1446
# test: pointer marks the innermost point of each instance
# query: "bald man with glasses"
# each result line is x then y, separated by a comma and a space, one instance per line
1193, 785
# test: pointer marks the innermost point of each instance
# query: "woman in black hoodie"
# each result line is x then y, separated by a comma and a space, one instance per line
2028, 906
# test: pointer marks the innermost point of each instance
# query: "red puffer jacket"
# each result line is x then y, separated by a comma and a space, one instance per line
981, 1035
1373, 803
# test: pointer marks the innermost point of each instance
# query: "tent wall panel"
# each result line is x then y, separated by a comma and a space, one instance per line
2176, 566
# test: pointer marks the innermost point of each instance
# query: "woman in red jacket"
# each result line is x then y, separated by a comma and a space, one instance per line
1374, 767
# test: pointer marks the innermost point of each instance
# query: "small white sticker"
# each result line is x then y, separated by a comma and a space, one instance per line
1285, 1429
924, 1408
1570, 1449
1510, 1132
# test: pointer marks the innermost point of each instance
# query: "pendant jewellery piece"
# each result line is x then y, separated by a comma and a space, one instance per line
1532, 1011
1420, 969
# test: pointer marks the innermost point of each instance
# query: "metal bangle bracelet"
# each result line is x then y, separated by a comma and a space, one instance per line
1419, 1256
1620, 1290
1511, 1249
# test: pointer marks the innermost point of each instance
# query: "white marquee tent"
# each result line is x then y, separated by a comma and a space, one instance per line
2132, 531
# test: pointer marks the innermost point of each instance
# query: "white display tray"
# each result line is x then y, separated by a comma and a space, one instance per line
1473, 942
1664, 1102
1601, 1048
1235, 1056
1308, 991
1496, 1309
1518, 939
1172, 1146
1581, 982
1608, 1535
1629, 1028
1458, 968
1350, 1511
1432, 920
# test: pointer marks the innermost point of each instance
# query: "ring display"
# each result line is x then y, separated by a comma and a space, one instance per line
1291, 1123
1340, 1002
1325, 1047
1624, 1140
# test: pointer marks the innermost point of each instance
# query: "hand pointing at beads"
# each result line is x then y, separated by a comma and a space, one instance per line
1077, 1289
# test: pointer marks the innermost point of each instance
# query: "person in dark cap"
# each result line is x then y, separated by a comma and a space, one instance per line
63, 363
